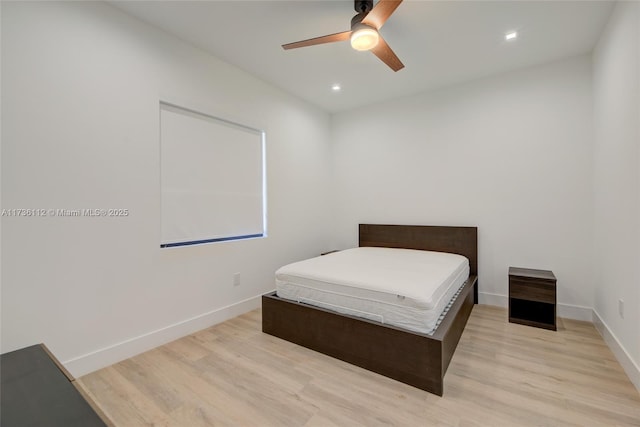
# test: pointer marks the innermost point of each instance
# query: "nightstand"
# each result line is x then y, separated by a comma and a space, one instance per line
532, 297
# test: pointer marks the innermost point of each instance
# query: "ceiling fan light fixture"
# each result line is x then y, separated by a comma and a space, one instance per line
364, 37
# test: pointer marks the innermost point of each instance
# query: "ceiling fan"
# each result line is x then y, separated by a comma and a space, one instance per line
364, 33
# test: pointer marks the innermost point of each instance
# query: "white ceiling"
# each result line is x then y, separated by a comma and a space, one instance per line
440, 42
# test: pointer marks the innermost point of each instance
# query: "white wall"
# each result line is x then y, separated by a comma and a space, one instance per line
511, 154
617, 183
81, 83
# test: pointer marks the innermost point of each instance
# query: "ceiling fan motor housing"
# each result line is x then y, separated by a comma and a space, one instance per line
363, 6
356, 20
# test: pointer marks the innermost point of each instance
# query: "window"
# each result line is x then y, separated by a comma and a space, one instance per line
212, 178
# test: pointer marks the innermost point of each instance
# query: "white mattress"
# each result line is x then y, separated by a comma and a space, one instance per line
400, 287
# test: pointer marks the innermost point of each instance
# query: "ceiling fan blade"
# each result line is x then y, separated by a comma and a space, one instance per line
384, 52
337, 37
381, 12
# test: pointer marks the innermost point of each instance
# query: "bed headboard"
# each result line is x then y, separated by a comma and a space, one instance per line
456, 240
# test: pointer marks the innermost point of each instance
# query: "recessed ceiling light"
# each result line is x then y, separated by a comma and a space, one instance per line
511, 35
336, 88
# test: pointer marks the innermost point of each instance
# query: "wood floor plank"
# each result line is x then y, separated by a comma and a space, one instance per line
502, 374
123, 402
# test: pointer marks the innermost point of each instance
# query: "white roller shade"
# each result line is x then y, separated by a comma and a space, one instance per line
212, 178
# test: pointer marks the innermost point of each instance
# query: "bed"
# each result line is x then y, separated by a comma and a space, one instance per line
415, 358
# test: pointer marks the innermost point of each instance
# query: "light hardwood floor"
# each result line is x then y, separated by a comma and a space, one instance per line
502, 374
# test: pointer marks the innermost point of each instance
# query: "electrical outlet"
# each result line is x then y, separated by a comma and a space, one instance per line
236, 279
621, 308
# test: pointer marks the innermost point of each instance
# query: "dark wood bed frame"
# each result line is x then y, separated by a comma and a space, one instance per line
416, 359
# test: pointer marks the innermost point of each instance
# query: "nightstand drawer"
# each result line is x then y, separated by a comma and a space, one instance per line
530, 290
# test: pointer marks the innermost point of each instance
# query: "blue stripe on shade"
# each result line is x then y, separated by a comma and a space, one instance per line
220, 239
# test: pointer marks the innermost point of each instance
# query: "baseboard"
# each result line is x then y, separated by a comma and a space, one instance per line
627, 363
496, 300
103, 357
566, 311
575, 312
